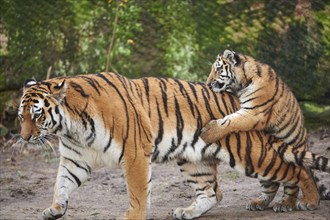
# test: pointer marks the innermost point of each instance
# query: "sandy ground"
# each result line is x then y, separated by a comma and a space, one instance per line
27, 179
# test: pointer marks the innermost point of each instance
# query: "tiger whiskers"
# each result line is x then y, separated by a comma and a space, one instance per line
43, 142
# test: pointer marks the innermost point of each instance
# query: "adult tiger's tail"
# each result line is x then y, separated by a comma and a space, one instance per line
302, 158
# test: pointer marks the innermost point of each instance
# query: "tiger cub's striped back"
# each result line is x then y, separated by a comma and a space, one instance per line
266, 103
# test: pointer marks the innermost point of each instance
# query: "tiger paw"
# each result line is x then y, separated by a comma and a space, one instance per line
284, 206
257, 205
196, 209
210, 133
184, 213
304, 205
55, 211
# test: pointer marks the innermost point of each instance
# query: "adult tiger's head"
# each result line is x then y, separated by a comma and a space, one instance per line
225, 74
39, 110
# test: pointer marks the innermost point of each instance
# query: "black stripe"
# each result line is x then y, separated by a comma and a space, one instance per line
47, 84
207, 104
248, 100
92, 83
263, 150
181, 162
66, 146
269, 100
73, 175
231, 156
234, 106
253, 92
238, 143
108, 144
285, 172
274, 177
59, 126
201, 174
52, 117
163, 89
205, 148
192, 181
160, 134
171, 150
193, 89
79, 166
271, 163
216, 97
258, 69
66, 177
146, 89
249, 169
201, 189
90, 139
78, 88
179, 121
224, 103
199, 128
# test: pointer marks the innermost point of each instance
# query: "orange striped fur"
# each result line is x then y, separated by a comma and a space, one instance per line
106, 119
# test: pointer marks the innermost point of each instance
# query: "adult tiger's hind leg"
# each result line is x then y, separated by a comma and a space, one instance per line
71, 174
203, 179
311, 197
268, 194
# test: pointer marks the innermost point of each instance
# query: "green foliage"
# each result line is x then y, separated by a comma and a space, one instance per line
165, 38
316, 115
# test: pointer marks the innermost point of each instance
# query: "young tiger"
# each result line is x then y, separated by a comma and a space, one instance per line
106, 119
266, 103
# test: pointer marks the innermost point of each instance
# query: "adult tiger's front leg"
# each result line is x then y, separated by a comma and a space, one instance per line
203, 178
71, 174
138, 177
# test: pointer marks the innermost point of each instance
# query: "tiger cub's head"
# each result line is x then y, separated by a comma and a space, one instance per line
39, 110
222, 76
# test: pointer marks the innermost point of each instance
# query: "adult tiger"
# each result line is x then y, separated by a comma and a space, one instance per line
106, 119
266, 103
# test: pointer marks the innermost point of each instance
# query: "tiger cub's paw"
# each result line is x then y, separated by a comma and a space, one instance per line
210, 133
257, 205
304, 205
55, 211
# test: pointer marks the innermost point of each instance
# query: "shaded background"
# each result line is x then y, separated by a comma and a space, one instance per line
44, 39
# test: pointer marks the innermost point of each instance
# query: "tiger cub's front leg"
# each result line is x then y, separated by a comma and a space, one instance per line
203, 178
242, 120
71, 174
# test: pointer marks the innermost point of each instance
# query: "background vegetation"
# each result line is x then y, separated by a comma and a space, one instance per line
172, 38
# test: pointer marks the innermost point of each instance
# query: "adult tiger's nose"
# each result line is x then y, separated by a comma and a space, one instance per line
26, 137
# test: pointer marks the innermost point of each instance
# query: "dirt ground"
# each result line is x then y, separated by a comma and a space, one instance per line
27, 179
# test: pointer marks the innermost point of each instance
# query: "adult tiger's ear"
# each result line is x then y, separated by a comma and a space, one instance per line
231, 56
28, 83
59, 91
